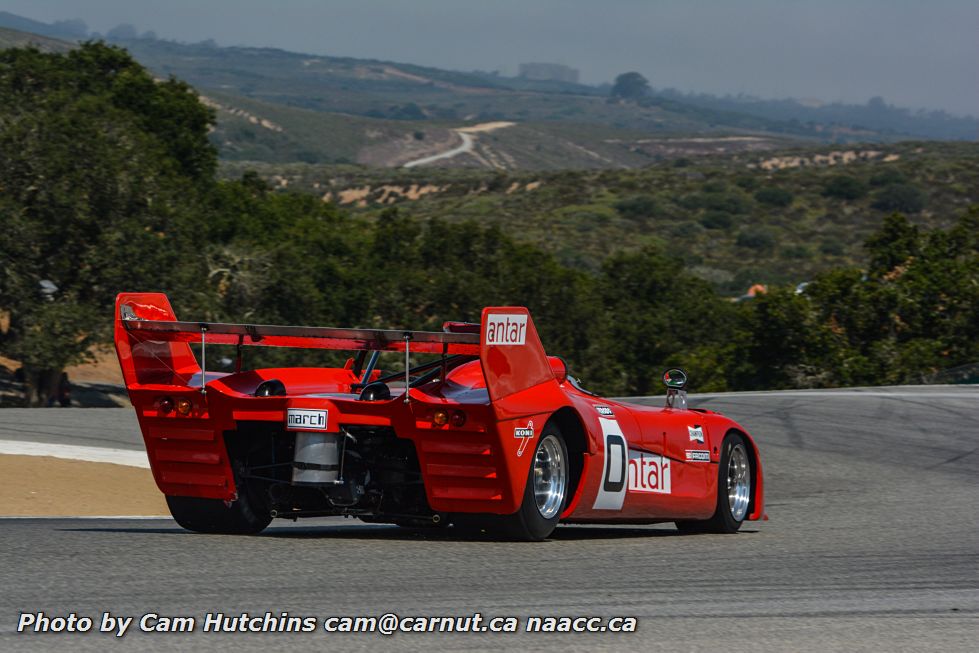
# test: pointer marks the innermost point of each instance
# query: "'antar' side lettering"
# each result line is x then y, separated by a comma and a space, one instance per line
648, 473
506, 330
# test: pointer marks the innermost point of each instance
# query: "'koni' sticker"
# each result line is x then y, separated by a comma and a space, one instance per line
506, 329
526, 434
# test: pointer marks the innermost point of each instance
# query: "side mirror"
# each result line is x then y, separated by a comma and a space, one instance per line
676, 384
675, 379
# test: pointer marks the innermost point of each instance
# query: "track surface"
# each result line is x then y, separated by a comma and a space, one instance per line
873, 544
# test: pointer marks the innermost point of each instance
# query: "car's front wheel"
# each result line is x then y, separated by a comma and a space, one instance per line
546, 492
733, 490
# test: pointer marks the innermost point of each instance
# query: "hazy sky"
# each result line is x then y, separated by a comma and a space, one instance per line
913, 53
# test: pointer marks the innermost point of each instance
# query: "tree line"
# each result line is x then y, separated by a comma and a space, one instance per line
107, 183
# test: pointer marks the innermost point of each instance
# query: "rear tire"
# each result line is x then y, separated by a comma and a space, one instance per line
734, 477
213, 516
546, 492
249, 514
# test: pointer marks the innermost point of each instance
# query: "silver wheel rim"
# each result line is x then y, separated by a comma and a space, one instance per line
738, 482
550, 476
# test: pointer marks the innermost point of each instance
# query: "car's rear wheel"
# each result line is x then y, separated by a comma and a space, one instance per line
733, 490
546, 492
214, 516
248, 514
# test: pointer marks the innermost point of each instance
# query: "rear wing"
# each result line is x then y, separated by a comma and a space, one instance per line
154, 347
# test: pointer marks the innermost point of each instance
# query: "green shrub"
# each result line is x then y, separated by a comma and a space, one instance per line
758, 238
729, 202
831, 247
747, 182
774, 196
844, 187
716, 220
638, 206
797, 252
888, 176
899, 197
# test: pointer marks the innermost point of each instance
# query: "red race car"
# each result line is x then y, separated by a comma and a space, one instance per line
490, 433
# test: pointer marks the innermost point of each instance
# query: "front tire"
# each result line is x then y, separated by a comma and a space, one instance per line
546, 492
734, 477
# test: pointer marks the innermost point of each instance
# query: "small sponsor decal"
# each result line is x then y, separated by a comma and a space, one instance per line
698, 456
301, 418
526, 434
506, 329
648, 473
696, 433
604, 410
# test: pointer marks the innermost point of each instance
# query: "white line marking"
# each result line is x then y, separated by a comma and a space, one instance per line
125, 457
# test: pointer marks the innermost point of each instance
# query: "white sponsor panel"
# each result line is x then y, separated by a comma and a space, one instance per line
649, 473
696, 433
305, 419
506, 329
698, 456
611, 493
526, 434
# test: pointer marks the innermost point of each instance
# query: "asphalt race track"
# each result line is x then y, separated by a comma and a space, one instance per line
872, 544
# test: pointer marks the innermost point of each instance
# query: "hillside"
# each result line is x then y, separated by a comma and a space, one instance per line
109, 182
12, 38
277, 107
734, 220
255, 130
560, 125
876, 113
382, 89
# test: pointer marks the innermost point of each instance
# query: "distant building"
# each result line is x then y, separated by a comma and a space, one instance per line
549, 72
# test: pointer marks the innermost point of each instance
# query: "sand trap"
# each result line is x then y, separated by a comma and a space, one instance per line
44, 487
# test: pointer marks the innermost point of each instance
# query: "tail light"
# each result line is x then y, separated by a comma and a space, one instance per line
164, 405
440, 418
184, 405
458, 418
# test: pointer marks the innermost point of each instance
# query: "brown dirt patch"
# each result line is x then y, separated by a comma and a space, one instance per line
44, 487
104, 369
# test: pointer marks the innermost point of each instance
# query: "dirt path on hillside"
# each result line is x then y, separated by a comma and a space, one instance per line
468, 140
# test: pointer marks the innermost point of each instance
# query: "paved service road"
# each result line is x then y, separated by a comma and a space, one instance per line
873, 544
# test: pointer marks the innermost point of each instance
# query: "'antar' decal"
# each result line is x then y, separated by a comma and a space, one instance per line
526, 434
506, 330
